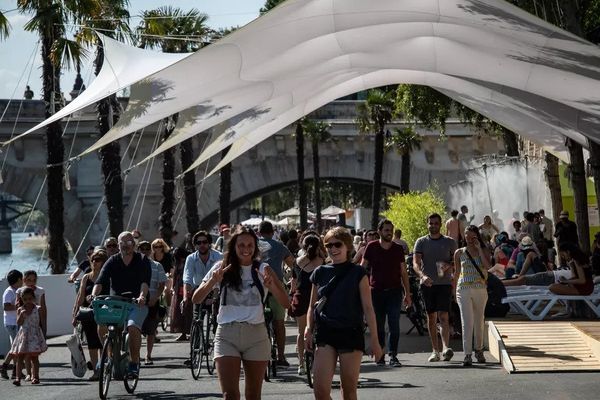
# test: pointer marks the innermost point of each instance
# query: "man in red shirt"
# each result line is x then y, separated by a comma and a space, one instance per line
384, 259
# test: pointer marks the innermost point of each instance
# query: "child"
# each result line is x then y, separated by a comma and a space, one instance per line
30, 341
9, 300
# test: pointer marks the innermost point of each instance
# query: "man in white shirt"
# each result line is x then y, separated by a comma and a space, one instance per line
9, 302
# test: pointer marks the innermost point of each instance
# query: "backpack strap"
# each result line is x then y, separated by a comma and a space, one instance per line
255, 280
475, 265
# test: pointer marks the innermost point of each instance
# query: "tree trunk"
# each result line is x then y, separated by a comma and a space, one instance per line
594, 162
302, 206
165, 220
189, 187
225, 191
405, 174
317, 184
578, 183
571, 17
511, 142
57, 249
110, 156
553, 180
376, 195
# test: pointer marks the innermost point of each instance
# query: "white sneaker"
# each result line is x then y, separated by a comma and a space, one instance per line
301, 369
435, 356
448, 354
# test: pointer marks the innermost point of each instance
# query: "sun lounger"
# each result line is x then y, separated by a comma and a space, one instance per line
535, 302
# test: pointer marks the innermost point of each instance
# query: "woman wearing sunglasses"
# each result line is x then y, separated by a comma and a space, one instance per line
335, 327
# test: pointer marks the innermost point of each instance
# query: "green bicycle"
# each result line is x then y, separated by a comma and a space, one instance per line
112, 311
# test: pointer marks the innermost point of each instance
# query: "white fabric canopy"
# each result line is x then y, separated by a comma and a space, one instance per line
293, 212
123, 66
256, 221
332, 210
537, 80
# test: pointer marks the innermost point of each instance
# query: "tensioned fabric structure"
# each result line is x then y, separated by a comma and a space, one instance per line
530, 76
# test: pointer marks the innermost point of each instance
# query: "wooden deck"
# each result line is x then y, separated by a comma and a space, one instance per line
526, 346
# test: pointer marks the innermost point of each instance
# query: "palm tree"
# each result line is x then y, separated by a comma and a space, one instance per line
373, 115
302, 206
225, 191
269, 5
167, 27
4, 26
49, 21
404, 141
112, 19
317, 133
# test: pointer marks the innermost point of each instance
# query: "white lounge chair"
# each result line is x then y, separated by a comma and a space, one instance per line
535, 302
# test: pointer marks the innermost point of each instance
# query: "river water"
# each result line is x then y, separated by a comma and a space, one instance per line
28, 253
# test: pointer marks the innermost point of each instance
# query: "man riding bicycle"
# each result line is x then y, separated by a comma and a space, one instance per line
197, 265
128, 273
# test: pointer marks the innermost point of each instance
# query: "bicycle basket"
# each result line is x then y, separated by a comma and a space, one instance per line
111, 312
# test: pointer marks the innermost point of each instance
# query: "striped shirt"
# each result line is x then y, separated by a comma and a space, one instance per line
469, 277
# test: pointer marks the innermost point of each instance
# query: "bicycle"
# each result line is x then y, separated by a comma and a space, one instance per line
271, 371
309, 357
202, 337
113, 311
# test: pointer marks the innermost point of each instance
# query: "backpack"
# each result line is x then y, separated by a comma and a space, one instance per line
255, 281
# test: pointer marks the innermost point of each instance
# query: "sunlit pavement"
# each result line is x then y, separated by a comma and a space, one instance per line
416, 379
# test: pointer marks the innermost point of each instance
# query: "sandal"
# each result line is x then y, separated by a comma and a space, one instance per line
35, 381
148, 361
17, 382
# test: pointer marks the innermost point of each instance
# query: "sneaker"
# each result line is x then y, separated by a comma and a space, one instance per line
301, 370
381, 361
4, 371
394, 362
133, 371
448, 354
468, 361
435, 356
95, 377
479, 356
283, 363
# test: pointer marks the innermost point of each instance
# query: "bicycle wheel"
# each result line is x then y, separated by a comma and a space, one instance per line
209, 344
308, 363
196, 344
273, 363
106, 367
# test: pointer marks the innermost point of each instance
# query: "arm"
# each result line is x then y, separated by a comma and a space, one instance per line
10, 307
580, 276
359, 254
485, 258
417, 260
457, 267
43, 314
367, 306
79, 298
20, 316
310, 319
527, 263
405, 284
275, 286
74, 275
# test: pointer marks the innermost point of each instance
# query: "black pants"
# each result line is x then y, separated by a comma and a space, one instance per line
387, 303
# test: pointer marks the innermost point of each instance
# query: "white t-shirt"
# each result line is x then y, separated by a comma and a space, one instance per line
564, 273
244, 305
39, 292
10, 297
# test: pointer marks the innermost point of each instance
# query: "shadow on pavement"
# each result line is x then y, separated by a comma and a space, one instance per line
174, 395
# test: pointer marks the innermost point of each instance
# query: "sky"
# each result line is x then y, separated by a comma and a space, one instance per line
18, 51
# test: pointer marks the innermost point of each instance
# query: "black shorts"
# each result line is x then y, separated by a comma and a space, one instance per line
437, 298
343, 340
151, 322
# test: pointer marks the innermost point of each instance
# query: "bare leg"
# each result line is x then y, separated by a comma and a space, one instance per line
566, 289
432, 327
20, 360
254, 372
301, 321
514, 282
228, 371
444, 322
279, 327
149, 346
323, 370
35, 368
349, 371
135, 342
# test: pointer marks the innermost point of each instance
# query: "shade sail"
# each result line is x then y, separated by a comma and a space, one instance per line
532, 77
332, 210
123, 66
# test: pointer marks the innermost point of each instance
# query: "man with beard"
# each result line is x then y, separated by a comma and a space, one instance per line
197, 265
128, 272
388, 276
433, 264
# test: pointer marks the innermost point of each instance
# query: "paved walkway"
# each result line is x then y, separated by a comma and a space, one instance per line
417, 379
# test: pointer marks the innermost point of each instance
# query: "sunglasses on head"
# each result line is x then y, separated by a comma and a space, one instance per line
159, 246
126, 242
337, 245
202, 242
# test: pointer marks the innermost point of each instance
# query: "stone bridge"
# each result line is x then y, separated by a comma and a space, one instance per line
266, 168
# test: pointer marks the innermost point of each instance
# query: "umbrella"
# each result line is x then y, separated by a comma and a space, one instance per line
333, 210
256, 221
293, 212
285, 222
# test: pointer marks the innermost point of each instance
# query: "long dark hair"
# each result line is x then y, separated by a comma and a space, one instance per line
233, 277
475, 229
575, 252
311, 245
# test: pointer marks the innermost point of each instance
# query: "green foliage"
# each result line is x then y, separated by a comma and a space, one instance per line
376, 112
404, 141
269, 5
316, 131
409, 212
4, 26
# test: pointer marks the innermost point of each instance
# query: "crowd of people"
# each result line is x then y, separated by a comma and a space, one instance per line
336, 285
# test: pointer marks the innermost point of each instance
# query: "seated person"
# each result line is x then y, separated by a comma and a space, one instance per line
581, 283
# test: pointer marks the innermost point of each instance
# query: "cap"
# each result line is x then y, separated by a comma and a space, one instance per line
564, 214
526, 242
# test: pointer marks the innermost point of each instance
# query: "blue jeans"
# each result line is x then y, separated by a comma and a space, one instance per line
387, 303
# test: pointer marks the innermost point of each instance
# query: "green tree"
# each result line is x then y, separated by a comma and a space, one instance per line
404, 141
373, 116
302, 203
269, 5
317, 132
4, 26
50, 17
409, 212
175, 31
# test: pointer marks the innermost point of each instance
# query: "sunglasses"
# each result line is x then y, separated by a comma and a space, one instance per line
144, 248
111, 245
127, 242
337, 245
157, 247
202, 241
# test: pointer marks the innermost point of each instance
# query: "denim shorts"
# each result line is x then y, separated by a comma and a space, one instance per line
12, 332
137, 316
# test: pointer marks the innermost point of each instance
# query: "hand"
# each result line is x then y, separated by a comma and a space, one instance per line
218, 274
74, 322
141, 300
308, 339
376, 350
268, 277
407, 300
425, 280
71, 279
